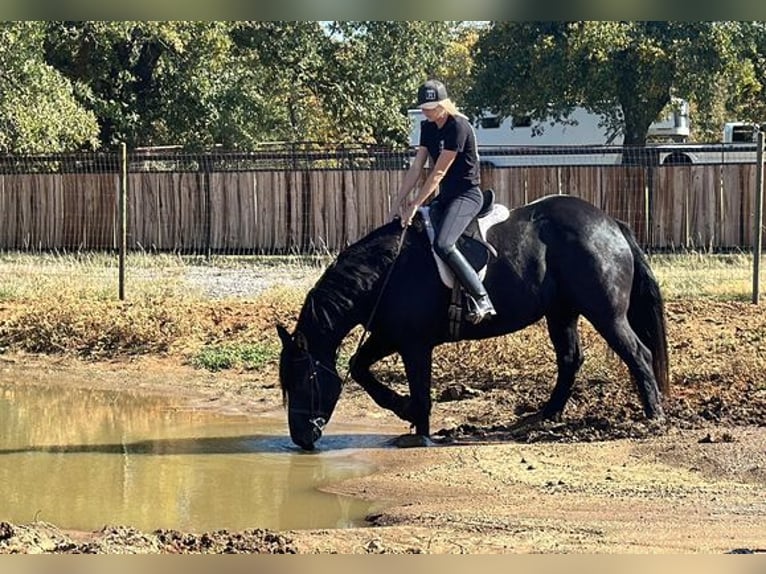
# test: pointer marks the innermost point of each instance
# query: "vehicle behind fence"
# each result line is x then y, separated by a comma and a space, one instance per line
306, 198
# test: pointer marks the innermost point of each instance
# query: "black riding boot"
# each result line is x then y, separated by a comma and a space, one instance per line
469, 279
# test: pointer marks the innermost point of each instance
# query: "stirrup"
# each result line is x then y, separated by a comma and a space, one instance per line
480, 310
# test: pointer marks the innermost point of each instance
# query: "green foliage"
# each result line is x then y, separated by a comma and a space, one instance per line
374, 69
626, 70
150, 83
38, 109
743, 95
456, 67
238, 355
237, 84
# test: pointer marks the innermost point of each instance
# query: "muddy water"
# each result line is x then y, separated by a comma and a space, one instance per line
82, 459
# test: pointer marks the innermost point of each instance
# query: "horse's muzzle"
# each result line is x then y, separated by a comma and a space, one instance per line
310, 434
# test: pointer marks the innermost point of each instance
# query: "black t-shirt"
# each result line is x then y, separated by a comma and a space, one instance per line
456, 135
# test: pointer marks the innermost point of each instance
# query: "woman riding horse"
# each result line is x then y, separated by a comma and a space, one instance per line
447, 139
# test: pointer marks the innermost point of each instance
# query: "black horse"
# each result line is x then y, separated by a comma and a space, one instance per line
558, 257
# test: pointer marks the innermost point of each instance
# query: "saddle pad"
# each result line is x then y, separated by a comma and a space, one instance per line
497, 214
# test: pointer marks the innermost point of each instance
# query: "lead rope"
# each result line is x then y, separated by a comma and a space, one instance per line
375, 307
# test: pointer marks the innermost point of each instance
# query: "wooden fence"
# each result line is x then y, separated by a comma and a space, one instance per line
243, 212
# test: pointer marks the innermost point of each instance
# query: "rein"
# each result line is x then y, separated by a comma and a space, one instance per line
377, 303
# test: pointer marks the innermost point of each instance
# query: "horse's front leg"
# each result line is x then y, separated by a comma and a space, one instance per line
417, 365
372, 351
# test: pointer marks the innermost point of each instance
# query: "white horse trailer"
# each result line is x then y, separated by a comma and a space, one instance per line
585, 140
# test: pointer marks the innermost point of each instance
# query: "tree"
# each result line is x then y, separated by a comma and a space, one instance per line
373, 73
238, 84
38, 109
744, 95
455, 68
626, 71
149, 83
286, 66
345, 82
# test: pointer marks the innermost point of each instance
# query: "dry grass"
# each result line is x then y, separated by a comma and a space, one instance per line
717, 338
68, 305
695, 275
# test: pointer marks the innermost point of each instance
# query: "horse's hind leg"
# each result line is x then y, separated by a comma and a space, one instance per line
373, 350
562, 329
638, 359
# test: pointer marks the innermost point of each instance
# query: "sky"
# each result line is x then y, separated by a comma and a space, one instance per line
375, 10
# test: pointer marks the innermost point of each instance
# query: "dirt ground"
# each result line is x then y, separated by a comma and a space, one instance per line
600, 481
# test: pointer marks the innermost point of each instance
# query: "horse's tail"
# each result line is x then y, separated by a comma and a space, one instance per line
646, 313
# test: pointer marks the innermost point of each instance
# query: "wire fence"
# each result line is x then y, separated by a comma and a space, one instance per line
303, 198
309, 199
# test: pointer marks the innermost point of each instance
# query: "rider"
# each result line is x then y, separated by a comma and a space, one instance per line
448, 140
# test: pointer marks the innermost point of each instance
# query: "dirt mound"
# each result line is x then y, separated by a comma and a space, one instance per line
47, 538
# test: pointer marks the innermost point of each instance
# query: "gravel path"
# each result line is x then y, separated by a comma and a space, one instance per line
217, 282
220, 283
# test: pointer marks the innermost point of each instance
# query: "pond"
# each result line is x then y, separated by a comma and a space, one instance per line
82, 459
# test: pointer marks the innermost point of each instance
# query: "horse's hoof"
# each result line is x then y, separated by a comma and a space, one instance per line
528, 421
411, 441
658, 421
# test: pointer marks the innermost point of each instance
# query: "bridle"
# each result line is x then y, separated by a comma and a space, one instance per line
317, 418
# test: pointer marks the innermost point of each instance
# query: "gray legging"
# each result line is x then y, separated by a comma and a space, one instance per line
457, 214
455, 217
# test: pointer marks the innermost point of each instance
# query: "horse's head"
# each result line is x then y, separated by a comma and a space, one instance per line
310, 389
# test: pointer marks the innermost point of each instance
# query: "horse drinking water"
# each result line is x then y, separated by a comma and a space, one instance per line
558, 257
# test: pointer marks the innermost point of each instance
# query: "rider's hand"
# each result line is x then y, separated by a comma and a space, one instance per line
394, 214
408, 214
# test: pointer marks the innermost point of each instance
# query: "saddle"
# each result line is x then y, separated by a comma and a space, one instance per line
473, 242
473, 245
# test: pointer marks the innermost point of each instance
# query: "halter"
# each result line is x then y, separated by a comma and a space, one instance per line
315, 415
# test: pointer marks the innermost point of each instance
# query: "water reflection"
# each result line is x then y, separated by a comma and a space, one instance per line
82, 459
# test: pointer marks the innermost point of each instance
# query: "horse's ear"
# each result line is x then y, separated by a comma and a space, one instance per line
284, 336
300, 341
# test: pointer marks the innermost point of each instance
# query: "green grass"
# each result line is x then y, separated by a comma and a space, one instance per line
241, 356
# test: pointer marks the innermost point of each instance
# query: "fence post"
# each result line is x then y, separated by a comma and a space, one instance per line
206, 166
122, 218
649, 206
758, 225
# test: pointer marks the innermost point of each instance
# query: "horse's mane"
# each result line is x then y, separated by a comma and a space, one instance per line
333, 304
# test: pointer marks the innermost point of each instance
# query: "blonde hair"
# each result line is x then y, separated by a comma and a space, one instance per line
449, 106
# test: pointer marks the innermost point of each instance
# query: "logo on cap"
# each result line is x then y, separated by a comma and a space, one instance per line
431, 93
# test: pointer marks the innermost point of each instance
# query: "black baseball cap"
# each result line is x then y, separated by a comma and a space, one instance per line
431, 93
